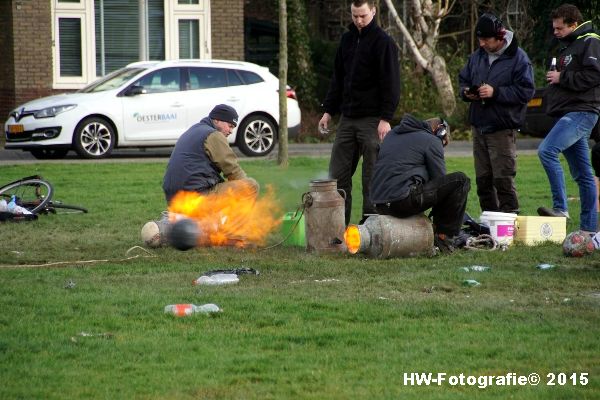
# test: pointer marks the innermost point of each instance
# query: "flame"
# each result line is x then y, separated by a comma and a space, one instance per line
352, 238
233, 217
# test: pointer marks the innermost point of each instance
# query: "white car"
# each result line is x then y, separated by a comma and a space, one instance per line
150, 104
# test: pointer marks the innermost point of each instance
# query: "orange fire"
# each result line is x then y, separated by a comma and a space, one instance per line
231, 218
352, 238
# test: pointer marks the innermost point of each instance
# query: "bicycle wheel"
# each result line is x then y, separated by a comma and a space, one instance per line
32, 193
56, 207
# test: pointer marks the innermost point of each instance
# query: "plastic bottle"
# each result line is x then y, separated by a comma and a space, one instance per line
13, 208
216, 279
544, 267
10, 207
182, 310
553, 64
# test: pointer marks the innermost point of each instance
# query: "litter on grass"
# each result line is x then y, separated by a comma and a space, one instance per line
237, 271
475, 268
223, 276
106, 335
70, 284
217, 279
183, 310
470, 282
544, 267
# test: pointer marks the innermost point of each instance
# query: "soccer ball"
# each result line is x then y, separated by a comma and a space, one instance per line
153, 233
577, 244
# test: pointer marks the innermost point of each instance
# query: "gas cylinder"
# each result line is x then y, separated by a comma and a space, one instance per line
384, 236
324, 216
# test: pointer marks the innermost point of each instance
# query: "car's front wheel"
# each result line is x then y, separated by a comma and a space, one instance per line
49, 154
257, 136
94, 138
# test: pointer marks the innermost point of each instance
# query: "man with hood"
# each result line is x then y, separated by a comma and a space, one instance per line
498, 82
573, 95
202, 154
410, 177
365, 90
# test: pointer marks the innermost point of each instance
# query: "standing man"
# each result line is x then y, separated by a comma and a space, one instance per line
365, 88
202, 154
573, 95
498, 82
410, 177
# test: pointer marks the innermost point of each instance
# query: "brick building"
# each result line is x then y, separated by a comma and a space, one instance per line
55, 46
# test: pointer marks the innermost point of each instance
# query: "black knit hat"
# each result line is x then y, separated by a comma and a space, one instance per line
225, 113
489, 26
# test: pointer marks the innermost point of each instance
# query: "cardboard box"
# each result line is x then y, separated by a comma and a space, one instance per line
535, 230
293, 221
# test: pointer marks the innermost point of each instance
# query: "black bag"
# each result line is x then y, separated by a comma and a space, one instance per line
6, 216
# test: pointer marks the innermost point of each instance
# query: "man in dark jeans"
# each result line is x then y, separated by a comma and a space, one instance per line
410, 177
497, 81
365, 88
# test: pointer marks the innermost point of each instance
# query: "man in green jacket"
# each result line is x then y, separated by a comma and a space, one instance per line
202, 154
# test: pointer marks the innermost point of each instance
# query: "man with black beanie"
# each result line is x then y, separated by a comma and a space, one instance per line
497, 81
202, 153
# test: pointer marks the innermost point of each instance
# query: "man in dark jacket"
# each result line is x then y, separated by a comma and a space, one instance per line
365, 88
574, 97
410, 177
498, 82
202, 154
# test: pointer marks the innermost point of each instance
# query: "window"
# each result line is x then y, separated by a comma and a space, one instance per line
69, 39
93, 38
206, 78
250, 77
233, 78
161, 81
189, 36
117, 34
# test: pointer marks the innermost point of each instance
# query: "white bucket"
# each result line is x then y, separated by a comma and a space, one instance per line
502, 225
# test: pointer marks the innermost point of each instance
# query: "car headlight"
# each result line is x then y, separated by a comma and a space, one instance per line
53, 111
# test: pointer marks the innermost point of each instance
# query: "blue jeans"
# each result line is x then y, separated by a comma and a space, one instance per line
570, 136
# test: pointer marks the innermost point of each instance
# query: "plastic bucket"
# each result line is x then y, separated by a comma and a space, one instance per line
502, 226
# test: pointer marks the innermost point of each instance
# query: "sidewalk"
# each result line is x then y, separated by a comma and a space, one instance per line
161, 154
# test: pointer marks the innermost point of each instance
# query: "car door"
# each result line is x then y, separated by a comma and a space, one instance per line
207, 87
157, 115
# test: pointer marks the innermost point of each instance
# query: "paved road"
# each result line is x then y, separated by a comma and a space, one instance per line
455, 149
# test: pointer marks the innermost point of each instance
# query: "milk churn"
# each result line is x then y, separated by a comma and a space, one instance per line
324, 216
384, 236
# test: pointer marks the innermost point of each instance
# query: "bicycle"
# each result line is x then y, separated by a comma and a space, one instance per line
34, 193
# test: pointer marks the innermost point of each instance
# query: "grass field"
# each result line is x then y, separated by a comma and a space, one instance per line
307, 327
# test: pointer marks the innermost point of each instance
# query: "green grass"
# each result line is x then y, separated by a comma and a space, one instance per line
310, 327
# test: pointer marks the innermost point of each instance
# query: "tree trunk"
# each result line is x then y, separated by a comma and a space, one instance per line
422, 48
282, 157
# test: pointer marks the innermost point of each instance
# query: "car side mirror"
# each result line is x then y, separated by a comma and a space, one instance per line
135, 90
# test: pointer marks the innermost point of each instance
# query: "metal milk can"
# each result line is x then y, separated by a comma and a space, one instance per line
324, 217
384, 236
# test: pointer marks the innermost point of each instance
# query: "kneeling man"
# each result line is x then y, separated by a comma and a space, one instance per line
202, 154
410, 177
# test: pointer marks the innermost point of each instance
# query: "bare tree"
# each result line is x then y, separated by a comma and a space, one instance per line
421, 40
282, 157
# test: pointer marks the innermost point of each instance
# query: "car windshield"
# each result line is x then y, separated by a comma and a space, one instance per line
112, 80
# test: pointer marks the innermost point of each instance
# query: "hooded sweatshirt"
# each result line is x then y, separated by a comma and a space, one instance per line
409, 154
